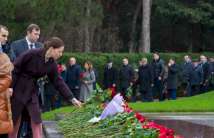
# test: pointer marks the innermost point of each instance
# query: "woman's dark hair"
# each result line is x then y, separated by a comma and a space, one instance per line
89, 65
54, 42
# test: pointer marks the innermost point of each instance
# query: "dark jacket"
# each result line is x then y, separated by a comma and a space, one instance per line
206, 71
145, 77
126, 76
64, 75
28, 68
187, 68
7, 50
110, 77
73, 76
172, 77
158, 68
20, 46
211, 67
196, 76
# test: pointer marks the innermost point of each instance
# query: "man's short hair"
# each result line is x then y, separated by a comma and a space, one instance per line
156, 53
3, 27
32, 27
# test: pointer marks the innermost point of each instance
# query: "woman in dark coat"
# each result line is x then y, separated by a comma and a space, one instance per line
172, 79
28, 68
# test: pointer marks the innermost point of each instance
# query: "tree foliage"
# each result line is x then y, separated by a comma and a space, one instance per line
176, 25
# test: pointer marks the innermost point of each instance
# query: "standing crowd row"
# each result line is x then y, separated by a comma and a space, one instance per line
151, 80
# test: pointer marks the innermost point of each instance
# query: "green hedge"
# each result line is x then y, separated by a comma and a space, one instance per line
99, 59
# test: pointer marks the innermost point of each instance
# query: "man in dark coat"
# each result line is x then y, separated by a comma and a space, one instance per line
187, 68
211, 74
158, 71
206, 73
73, 77
20, 46
29, 42
110, 76
4, 46
126, 75
145, 81
196, 78
172, 79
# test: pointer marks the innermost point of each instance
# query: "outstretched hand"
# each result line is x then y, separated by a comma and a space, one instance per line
75, 102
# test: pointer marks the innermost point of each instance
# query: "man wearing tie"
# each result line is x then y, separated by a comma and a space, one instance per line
27, 43
18, 47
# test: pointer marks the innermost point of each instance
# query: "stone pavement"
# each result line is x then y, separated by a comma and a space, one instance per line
50, 130
189, 125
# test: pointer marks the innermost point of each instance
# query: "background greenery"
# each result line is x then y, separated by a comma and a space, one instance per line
176, 25
199, 103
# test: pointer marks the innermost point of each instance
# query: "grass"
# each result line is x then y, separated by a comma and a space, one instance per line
52, 114
199, 103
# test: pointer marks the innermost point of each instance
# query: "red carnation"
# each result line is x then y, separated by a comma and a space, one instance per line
139, 117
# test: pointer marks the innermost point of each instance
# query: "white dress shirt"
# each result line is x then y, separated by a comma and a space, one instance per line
30, 43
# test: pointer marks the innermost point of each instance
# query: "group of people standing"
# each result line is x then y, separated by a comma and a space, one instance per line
198, 76
160, 80
151, 80
29, 62
150, 77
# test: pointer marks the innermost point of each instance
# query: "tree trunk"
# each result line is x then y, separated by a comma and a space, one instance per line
133, 32
86, 27
145, 33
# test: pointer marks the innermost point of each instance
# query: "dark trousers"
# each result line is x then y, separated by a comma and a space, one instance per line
124, 92
195, 89
172, 94
146, 95
204, 88
134, 93
158, 89
76, 93
49, 102
3, 136
211, 87
25, 130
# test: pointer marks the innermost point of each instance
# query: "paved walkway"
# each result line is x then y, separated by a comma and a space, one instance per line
189, 125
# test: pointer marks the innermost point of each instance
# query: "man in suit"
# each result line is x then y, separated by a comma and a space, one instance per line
126, 76
206, 73
27, 43
3, 36
187, 68
4, 46
172, 79
158, 71
18, 47
145, 80
110, 75
73, 77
